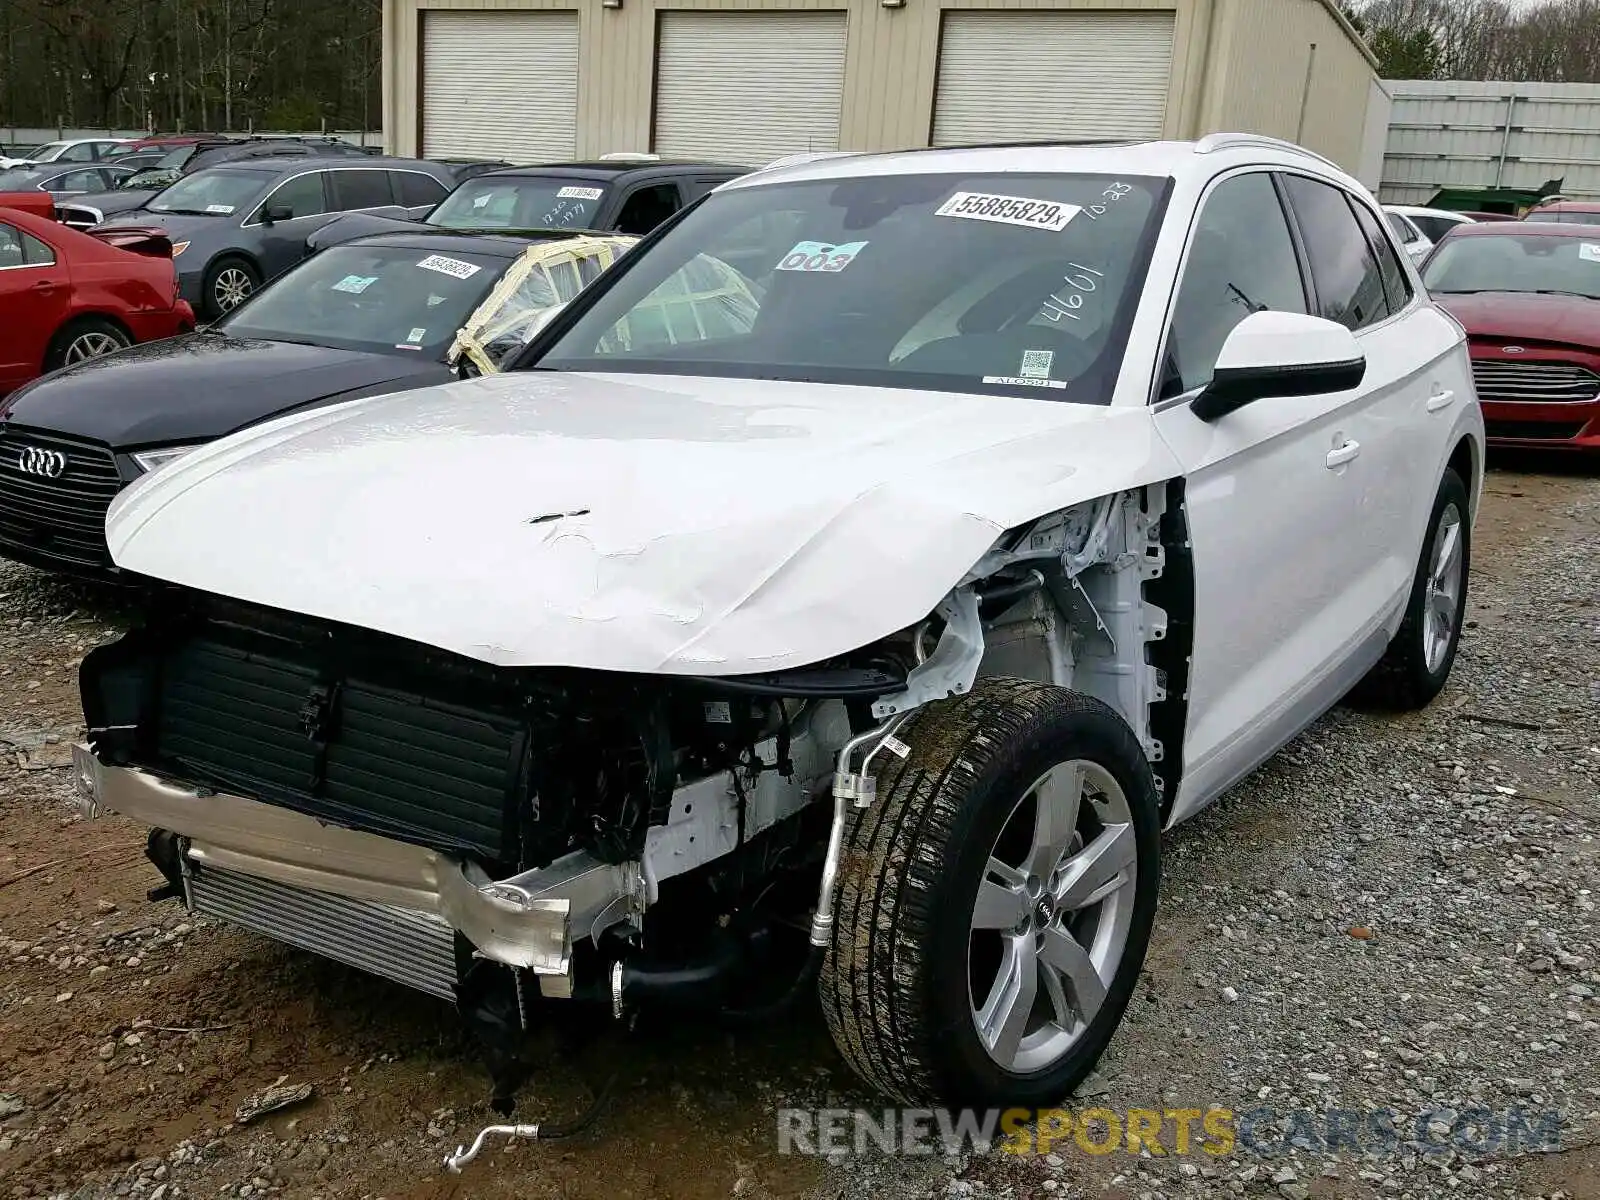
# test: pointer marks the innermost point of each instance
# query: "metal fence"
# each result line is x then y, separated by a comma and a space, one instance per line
1445, 133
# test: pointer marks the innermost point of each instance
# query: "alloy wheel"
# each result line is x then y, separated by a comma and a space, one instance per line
91, 345
1051, 919
232, 287
1443, 598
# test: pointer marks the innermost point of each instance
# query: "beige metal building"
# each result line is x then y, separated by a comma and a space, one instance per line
751, 80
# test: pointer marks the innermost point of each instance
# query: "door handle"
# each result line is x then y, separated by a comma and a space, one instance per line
1440, 400
44, 285
1339, 455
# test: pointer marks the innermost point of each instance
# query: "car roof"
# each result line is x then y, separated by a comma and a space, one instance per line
1422, 210
1580, 206
613, 169
1193, 160
500, 245
294, 163
1523, 229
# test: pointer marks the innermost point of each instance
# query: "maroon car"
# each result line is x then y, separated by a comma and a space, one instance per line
1529, 297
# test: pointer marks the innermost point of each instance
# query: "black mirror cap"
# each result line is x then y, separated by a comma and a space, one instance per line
1231, 388
277, 212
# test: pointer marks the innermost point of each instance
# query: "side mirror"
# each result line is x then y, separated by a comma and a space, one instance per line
1275, 354
277, 212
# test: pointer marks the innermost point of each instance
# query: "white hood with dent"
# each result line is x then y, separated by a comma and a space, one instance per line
619, 522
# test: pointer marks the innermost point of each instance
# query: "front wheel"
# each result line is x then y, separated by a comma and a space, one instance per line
996, 902
228, 284
1417, 664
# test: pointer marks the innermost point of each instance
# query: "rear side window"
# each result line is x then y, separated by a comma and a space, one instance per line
19, 249
361, 189
1396, 285
416, 189
1348, 282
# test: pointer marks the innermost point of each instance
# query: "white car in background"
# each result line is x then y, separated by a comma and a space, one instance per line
1415, 243
1432, 223
1024, 501
81, 150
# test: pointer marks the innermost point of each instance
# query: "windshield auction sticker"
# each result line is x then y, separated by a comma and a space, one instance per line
579, 193
1589, 251
1009, 210
821, 256
220, 210
1021, 381
453, 267
355, 284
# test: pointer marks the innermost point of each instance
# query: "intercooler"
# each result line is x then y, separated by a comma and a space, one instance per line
406, 946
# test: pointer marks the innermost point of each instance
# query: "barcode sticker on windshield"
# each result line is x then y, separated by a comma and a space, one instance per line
220, 210
579, 193
1009, 210
1589, 251
449, 266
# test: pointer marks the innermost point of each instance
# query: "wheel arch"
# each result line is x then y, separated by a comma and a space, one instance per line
1466, 460
77, 318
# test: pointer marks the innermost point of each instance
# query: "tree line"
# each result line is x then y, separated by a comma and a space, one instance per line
1557, 41
196, 65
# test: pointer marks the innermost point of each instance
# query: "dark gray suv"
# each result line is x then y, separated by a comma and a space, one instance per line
237, 225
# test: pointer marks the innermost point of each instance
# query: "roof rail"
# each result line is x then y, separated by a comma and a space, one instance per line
1213, 142
807, 156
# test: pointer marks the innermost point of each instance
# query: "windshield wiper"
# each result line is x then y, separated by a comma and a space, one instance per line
1564, 292
187, 212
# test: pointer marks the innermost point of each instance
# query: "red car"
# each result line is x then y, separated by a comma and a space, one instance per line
66, 296
1567, 212
1529, 297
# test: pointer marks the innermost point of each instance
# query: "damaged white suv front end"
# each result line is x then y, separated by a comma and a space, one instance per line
860, 625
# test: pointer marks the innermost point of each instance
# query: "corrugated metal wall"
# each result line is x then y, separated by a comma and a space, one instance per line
1467, 134
1225, 74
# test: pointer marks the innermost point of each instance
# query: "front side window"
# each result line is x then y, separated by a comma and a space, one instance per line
520, 202
1348, 282
212, 193
647, 208
1241, 261
381, 299
302, 196
82, 152
1011, 283
19, 249
1547, 263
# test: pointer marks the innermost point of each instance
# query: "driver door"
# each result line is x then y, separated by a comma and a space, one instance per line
1270, 497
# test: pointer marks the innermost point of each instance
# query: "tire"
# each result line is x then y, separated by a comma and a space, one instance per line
229, 282
907, 980
1417, 663
83, 339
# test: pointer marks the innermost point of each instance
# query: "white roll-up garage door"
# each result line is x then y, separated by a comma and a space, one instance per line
1008, 75
500, 85
748, 87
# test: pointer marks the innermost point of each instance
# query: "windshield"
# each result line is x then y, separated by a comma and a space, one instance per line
213, 193
174, 159
519, 202
1013, 284
1516, 263
383, 299
46, 152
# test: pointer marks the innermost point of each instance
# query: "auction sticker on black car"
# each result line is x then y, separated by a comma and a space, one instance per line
449, 266
1049, 215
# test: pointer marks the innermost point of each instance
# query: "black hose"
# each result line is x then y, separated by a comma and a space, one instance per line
555, 1131
785, 1002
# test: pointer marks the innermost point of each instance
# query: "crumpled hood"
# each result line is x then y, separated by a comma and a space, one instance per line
630, 523
110, 204
200, 386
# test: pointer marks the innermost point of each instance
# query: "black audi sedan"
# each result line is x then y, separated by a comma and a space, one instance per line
381, 314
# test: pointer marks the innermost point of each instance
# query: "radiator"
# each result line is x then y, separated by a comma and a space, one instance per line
401, 944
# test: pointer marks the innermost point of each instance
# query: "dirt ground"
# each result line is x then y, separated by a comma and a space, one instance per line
130, 1032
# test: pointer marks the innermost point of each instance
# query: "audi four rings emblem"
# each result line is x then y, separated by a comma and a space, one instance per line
36, 460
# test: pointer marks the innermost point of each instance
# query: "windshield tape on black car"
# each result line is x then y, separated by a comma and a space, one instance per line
1049, 215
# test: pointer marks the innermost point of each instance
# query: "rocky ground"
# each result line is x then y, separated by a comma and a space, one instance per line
1394, 915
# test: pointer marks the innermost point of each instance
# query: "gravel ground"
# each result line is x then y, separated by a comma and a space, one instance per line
1394, 914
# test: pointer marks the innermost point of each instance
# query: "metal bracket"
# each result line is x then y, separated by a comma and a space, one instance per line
952, 668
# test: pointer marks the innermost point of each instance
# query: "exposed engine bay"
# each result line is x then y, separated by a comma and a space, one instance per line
504, 837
